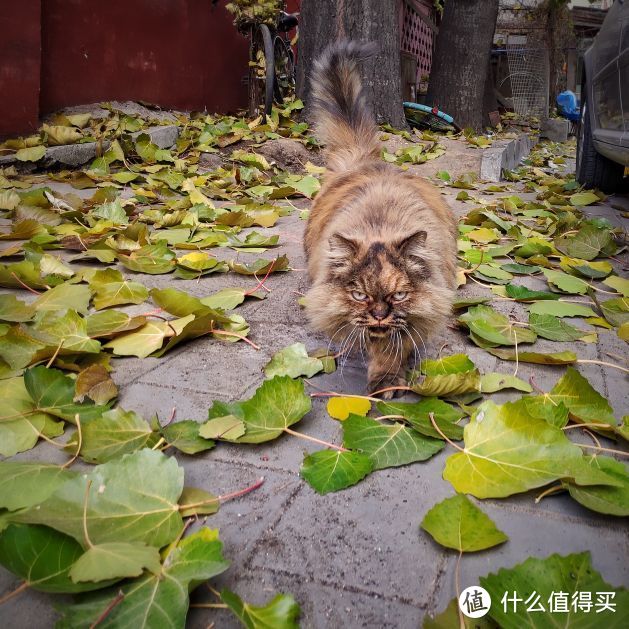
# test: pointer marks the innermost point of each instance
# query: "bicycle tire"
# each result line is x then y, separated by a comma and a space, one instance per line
284, 69
261, 41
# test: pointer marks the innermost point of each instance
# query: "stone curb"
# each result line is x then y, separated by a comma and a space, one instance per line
79, 154
505, 155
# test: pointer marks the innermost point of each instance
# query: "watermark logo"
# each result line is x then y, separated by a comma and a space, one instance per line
474, 602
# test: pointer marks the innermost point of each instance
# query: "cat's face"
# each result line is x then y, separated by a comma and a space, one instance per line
379, 286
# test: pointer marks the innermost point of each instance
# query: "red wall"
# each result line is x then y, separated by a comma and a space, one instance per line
20, 54
183, 54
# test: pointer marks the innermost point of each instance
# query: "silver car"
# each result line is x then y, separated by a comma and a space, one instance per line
603, 141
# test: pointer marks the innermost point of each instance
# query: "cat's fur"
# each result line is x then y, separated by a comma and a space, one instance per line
373, 231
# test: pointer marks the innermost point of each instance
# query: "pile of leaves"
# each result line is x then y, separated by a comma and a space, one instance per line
159, 211
247, 12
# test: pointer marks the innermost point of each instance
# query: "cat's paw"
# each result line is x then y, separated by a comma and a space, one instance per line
376, 387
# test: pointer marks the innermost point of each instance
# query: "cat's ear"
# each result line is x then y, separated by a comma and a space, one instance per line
412, 251
342, 251
413, 244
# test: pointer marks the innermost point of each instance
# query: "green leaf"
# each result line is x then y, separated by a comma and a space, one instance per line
112, 322
616, 311
153, 600
456, 363
457, 523
115, 560
293, 361
111, 289
541, 407
260, 267
113, 434
31, 154
417, 414
154, 259
566, 283
227, 428
14, 310
194, 501
553, 328
42, 557
539, 358
584, 198
561, 309
586, 244
185, 436
64, 329
229, 298
508, 452
74, 296
449, 618
277, 404
178, 303
112, 212
452, 384
386, 445
619, 284
146, 509
142, 342
581, 399
521, 293
53, 392
492, 382
25, 484
331, 470
485, 322
603, 498
281, 612
569, 574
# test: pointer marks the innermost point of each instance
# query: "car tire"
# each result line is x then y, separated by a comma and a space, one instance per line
593, 169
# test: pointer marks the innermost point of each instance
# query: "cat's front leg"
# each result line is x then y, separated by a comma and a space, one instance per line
388, 360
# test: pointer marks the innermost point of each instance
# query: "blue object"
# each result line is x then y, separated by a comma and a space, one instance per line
568, 107
429, 110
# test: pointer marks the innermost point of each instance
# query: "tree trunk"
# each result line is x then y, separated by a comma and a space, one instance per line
322, 22
459, 67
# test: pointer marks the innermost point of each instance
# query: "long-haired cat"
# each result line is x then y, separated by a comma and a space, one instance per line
380, 243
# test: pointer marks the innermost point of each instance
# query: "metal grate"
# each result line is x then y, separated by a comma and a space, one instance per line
417, 37
528, 74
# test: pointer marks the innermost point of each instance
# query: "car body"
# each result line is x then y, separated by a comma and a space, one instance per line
603, 140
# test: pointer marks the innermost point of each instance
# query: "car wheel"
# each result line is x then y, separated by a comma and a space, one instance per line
595, 170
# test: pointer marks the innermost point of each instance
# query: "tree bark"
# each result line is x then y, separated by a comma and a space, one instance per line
324, 21
459, 67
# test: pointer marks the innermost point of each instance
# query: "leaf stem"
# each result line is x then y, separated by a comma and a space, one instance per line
12, 593
238, 336
601, 362
315, 440
400, 388
115, 601
434, 423
209, 605
79, 443
601, 449
54, 356
26, 286
261, 282
87, 495
551, 490
587, 425
225, 497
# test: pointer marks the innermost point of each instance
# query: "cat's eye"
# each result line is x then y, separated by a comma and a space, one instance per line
400, 296
358, 296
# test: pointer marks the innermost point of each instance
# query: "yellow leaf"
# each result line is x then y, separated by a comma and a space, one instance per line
483, 234
342, 407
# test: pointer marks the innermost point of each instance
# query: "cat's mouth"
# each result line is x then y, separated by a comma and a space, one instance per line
378, 330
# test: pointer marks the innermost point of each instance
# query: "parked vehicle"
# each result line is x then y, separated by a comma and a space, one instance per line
603, 139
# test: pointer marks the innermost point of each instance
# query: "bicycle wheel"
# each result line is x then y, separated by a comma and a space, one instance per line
261, 72
284, 66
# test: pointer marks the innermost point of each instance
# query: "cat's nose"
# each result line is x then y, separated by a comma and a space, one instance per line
380, 311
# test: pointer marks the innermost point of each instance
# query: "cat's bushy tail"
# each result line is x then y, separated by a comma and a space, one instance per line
343, 118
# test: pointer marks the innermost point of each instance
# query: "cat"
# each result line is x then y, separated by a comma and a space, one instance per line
380, 243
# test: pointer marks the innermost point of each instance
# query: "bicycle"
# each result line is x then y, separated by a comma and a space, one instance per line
425, 117
271, 64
